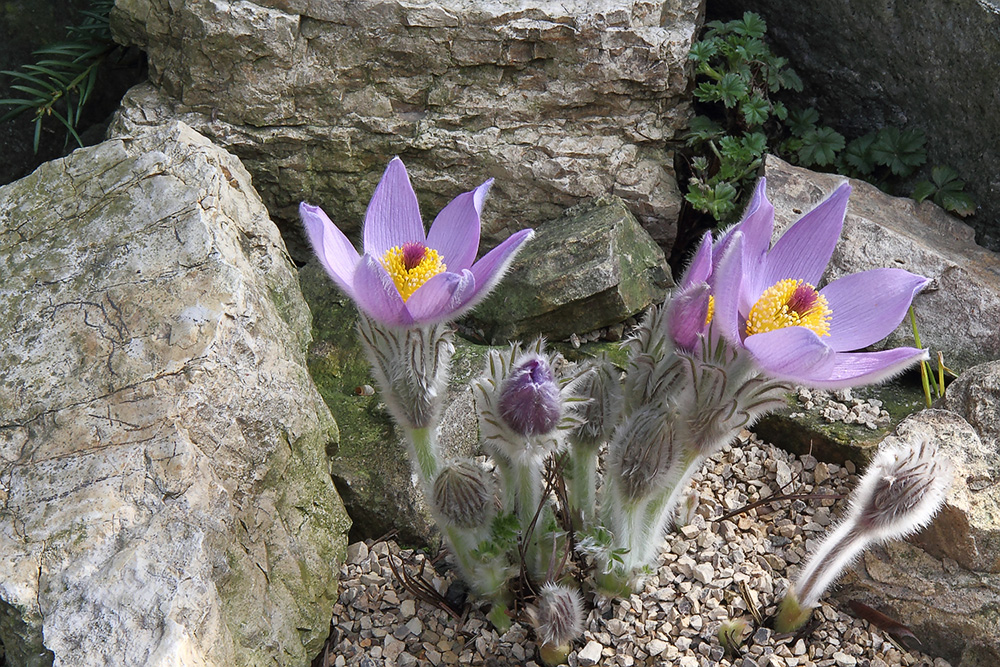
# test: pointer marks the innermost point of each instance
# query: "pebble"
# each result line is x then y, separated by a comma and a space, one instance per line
590, 654
705, 570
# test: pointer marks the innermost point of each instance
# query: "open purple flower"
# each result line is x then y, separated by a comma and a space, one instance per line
405, 278
765, 299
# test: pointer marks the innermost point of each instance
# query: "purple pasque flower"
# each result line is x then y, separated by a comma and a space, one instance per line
404, 277
765, 299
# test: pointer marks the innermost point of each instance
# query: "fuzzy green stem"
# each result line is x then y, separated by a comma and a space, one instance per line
583, 485
424, 441
791, 615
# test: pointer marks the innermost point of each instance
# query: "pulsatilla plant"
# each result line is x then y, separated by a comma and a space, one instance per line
746, 322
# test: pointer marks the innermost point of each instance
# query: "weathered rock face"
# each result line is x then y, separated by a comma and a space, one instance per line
924, 64
559, 101
163, 472
371, 469
949, 592
592, 267
976, 396
959, 311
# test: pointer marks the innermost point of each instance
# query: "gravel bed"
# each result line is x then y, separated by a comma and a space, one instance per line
710, 570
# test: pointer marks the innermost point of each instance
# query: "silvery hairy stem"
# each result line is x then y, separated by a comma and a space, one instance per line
411, 368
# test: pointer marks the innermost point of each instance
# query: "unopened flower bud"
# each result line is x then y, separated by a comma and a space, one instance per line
529, 398
732, 633
558, 619
602, 391
464, 494
902, 490
687, 315
643, 452
904, 487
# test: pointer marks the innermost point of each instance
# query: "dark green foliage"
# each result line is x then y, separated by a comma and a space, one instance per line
59, 84
946, 190
739, 80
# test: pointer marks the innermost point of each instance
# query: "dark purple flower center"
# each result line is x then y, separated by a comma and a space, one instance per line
413, 254
803, 299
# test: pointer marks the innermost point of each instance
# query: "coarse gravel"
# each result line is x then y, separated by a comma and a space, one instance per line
709, 570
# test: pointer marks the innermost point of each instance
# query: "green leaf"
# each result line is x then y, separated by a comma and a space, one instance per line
901, 151
703, 51
960, 203
752, 25
755, 143
858, 154
943, 174
802, 121
755, 111
923, 190
702, 129
820, 147
732, 89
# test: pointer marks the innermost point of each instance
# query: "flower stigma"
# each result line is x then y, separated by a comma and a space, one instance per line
790, 303
411, 265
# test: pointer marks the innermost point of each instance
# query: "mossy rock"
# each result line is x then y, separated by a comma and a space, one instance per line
802, 431
592, 267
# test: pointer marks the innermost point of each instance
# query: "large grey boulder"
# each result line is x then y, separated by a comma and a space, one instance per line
959, 312
592, 267
559, 101
945, 583
924, 64
165, 494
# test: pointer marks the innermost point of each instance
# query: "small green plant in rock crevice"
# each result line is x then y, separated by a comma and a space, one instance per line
741, 117
63, 79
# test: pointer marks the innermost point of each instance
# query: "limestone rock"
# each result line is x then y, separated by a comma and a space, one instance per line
559, 101
948, 592
922, 64
371, 469
959, 311
592, 267
976, 396
165, 488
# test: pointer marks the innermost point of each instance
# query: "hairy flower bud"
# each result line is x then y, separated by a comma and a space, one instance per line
901, 491
464, 494
529, 398
644, 451
602, 391
558, 619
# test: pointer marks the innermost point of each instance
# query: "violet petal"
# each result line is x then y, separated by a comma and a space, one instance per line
757, 227
455, 231
491, 267
377, 295
393, 216
686, 315
866, 307
334, 251
804, 250
792, 353
441, 297
700, 268
727, 283
851, 369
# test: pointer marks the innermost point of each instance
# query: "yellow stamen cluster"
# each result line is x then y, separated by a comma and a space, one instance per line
711, 310
790, 303
407, 280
